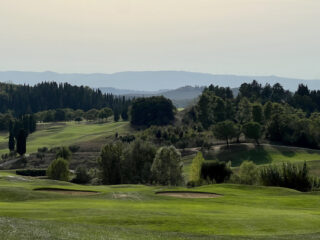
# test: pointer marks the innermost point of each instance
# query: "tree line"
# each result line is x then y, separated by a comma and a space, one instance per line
259, 113
25, 99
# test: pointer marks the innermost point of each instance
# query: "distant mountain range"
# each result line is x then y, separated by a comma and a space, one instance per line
181, 97
181, 87
150, 80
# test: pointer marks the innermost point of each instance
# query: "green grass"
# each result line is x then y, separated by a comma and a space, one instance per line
66, 133
243, 212
265, 154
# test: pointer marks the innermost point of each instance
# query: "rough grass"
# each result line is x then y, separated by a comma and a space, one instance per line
243, 212
66, 133
264, 154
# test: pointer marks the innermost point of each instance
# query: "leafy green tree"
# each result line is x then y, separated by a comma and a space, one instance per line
252, 130
64, 152
58, 170
92, 114
22, 142
257, 113
105, 113
267, 110
195, 170
225, 130
212, 109
167, 166
142, 154
11, 143
244, 112
109, 162
152, 111
248, 173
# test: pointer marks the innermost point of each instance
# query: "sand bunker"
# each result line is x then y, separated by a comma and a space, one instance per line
67, 191
186, 194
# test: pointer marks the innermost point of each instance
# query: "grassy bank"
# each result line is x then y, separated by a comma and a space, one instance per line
66, 133
136, 212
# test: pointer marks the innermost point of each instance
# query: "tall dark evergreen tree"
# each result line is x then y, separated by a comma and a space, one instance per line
11, 143
116, 115
22, 142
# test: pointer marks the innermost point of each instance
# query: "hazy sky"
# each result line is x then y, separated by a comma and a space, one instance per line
253, 37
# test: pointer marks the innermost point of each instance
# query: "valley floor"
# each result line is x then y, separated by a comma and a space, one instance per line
136, 212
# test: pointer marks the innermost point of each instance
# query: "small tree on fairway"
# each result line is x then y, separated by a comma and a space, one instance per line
167, 166
225, 130
58, 170
109, 162
252, 130
11, 143
195, 171
22, 142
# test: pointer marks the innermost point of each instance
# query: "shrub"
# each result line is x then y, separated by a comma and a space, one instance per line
248, 173
288, 175
58, 170
74, 148
32, 172
82, 175
215, 171
63, 152
167, 166
127, 138
43, 150
195, 170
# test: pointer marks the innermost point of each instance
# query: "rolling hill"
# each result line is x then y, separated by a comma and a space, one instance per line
149, 80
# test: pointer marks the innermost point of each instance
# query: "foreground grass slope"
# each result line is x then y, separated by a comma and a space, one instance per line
66, 133
136, 212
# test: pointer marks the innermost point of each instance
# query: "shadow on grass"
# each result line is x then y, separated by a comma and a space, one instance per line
286, 152
240, 153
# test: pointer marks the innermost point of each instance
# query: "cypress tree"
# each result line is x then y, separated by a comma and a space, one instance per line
11, 143
116, 115
22, 142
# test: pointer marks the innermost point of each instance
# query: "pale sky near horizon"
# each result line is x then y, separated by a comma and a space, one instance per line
248, 37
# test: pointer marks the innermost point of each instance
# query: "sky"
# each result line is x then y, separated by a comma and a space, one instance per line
244, 37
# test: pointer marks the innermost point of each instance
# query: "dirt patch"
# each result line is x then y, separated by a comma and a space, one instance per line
186, 194
67, 191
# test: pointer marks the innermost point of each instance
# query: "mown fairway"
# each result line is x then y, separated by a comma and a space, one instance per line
65, 133
135, 212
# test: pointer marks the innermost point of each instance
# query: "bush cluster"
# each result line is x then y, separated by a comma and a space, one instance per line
215, 171
288, 175
139, 162
32, 172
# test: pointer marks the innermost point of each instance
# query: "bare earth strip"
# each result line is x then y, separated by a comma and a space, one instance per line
189, 194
